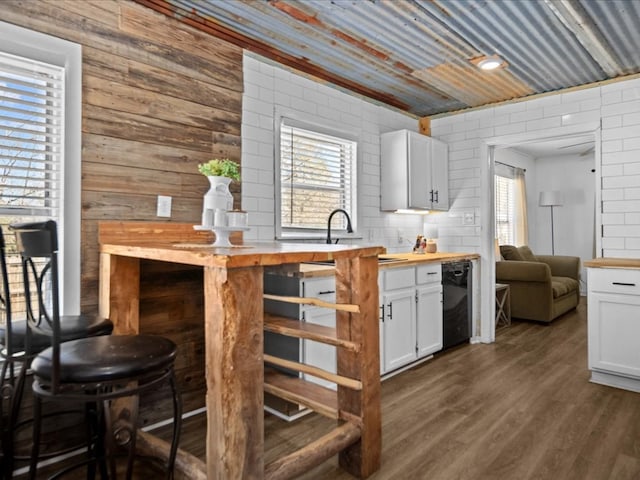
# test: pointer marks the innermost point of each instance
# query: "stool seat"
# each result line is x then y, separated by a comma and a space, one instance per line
93, 371
71, 327
107, 359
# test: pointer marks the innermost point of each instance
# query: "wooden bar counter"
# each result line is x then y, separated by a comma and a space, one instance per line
233, 329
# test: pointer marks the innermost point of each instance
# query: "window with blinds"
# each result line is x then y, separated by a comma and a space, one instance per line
316, 177
504, 210
31, 144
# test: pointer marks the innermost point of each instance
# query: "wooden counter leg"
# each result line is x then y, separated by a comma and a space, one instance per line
119, 298
357, 283
235, 373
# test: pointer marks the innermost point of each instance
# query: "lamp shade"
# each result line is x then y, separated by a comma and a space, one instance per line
431, 231
552, 198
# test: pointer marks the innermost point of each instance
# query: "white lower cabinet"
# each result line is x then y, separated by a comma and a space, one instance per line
411, 320
614, 327
410, 323
399, 328
316, 353
429, 319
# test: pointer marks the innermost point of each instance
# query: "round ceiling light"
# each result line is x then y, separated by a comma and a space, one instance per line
489, 62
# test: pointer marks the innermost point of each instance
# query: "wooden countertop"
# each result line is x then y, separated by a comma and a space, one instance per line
306, 270
613, 263
179, 243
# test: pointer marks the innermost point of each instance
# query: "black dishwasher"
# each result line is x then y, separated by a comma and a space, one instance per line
456, 303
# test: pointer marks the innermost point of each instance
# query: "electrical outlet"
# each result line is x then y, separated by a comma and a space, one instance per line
469, 218
400, 238
164, 206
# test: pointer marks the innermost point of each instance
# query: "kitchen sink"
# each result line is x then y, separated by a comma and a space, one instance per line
380, 260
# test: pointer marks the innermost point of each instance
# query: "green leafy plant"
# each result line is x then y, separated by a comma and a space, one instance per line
220, 168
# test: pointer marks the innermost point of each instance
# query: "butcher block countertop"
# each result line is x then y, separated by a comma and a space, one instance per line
309, 270
613, 263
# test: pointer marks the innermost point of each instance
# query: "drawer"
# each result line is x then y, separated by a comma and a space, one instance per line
322, 288
614, 280
395, 278
430, 273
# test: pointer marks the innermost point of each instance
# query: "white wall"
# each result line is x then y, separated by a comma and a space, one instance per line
268, 88
574, 221
615, 106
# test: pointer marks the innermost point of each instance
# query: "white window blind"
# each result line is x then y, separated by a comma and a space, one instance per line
31, 146
316, 177
504, 210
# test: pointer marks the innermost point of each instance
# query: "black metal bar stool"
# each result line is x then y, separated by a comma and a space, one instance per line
16, 358
93, 371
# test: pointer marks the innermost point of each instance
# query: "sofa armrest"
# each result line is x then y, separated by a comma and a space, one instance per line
514, 270
562, 265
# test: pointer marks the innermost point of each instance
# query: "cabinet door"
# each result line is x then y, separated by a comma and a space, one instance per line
399, 328
320, 354
419, 171
614, 333
440, 175
429, 319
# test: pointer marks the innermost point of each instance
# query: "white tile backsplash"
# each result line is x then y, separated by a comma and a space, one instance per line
269, 87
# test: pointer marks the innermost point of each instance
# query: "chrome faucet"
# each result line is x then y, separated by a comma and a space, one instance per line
349, 228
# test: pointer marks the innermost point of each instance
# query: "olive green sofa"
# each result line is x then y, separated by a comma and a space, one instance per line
542, 287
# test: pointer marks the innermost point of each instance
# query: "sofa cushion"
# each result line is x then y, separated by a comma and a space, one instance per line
526, 254
509, 252
563, 285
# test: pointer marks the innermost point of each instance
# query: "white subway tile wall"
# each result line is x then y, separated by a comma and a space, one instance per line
268, 87
616, 106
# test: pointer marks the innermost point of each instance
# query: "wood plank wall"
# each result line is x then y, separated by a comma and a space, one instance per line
158, 97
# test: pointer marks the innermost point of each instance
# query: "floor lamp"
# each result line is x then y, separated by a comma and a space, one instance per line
551, 199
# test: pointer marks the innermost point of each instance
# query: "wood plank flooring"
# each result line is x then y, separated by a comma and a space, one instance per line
521, 408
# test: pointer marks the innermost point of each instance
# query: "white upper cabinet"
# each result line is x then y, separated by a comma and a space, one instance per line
414, 172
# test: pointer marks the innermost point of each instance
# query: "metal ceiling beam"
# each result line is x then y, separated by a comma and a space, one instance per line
573, 16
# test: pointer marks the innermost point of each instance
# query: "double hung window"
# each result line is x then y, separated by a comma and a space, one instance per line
40, 147
31, 145
316, 176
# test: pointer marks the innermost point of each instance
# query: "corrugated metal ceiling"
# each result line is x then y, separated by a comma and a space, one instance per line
415, 55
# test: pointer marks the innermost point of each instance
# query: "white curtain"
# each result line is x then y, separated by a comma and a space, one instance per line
520, 206
511, 205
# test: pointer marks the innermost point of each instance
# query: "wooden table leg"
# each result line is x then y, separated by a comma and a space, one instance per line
119, 298
357, 283
235, 373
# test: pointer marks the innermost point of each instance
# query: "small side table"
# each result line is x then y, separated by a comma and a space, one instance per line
503, 305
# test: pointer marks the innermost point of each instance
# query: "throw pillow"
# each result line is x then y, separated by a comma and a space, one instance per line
509, 252
526, 254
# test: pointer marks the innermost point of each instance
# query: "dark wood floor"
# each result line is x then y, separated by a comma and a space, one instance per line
521, 408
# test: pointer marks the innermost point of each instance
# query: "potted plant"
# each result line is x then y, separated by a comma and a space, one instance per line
218, 200
220, 168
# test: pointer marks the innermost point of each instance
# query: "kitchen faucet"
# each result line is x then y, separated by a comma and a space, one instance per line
349, 228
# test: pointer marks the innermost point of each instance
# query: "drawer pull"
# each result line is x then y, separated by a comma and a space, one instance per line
432, 273
326, 292
624, 284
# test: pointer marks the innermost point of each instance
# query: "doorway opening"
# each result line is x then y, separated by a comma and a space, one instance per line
569, 143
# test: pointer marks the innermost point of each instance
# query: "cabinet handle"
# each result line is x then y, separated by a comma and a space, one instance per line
326, 292
431, 196
432, 273
436, 201
624, 284
382, 312
390, 315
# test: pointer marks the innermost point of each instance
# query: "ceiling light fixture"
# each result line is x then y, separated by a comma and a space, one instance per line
488, 63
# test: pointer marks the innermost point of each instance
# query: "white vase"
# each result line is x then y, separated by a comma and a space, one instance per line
218, 197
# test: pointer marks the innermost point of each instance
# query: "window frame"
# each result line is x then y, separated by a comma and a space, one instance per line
45, 48
292, 120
